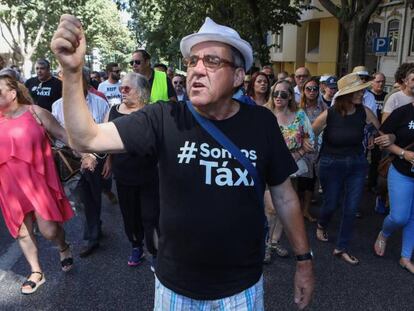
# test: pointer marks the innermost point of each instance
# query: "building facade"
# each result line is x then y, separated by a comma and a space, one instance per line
316, 43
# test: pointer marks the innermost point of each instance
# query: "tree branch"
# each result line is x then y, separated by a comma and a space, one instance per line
332, 8
5, 39
369, 9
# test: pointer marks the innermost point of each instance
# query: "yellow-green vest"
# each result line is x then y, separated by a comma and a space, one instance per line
159, 90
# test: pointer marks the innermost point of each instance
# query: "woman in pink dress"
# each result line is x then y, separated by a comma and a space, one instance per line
30, 188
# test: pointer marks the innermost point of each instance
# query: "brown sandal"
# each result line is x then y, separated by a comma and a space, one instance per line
343, 255
380, 245
321, 233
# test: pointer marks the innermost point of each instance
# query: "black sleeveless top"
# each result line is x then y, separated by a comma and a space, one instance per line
344, 135
130, 169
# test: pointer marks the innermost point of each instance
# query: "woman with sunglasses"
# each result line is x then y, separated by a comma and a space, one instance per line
297, 132
259, 88
30, 188
343, 165
136, 177
312, 105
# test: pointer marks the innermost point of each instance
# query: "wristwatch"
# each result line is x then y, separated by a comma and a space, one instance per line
306, 256
401, 155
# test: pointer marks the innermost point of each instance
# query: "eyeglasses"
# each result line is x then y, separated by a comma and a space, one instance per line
116, 71
312, 88
125, 89
281, 94
135, 62
209, 61
178, 82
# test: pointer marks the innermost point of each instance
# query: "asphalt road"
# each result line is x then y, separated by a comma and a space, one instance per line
103, 281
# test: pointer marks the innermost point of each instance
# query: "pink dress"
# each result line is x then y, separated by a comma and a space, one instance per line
28, 176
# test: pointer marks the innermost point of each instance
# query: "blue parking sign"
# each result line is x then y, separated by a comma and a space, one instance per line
381, 45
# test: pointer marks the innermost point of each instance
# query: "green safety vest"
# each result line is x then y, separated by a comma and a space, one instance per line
159, 90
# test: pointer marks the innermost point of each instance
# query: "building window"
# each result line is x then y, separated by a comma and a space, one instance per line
313, 36
393, 33
279, 42
411, 52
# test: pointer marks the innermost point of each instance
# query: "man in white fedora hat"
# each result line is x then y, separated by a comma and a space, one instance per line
212, 221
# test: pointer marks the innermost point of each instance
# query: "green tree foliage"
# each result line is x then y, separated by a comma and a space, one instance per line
24, 23
160, 24
354, 18
33, 22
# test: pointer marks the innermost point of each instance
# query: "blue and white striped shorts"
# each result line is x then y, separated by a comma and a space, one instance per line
250, 299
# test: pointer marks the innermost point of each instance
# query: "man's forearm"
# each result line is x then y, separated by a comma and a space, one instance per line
79, 123
287, 204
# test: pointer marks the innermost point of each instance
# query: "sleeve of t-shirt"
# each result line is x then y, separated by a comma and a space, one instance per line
281, 163
139, 130
391, 123
101, 87
170, 88
389, 104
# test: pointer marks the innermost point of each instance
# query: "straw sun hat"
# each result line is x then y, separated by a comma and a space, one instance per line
350, 83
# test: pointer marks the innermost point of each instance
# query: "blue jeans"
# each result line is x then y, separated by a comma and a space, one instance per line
341, 177
401, 192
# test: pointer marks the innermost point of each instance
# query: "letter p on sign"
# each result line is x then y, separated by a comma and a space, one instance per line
381, 44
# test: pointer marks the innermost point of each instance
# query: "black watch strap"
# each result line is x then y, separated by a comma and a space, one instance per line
302, 257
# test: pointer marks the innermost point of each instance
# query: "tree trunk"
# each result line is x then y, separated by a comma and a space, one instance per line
356, 43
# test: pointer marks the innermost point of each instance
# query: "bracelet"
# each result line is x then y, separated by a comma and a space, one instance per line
306, 256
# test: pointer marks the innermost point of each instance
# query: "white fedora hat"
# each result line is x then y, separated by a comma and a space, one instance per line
210, 31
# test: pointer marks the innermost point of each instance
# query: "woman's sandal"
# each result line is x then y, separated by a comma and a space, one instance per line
380, 245
29, 286
309, 217
66, 263
346, 257
321, 233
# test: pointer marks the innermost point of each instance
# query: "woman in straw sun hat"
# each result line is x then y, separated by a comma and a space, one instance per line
343, 166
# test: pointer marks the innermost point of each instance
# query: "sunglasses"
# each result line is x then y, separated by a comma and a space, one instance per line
125, 89
312, 88
281, 94
135, 62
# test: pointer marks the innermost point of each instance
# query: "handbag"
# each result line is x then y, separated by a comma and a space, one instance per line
385, 163
302, 168
67, 163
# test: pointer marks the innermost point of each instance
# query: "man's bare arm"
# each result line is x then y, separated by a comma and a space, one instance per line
69, 46
286, 202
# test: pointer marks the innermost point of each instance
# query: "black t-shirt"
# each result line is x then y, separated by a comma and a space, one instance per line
343, 135
211, 222
380, 103
401, 124
45, 93
170, 88
130, 169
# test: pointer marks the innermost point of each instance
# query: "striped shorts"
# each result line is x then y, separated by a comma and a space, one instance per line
250, 299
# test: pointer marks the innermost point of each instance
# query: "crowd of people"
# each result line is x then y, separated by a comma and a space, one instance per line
192, 201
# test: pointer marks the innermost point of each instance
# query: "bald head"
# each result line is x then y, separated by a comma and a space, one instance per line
301, 74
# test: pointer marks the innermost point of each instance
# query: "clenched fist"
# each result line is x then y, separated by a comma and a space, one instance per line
68, 44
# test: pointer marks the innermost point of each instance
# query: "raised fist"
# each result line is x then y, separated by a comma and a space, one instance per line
68, 43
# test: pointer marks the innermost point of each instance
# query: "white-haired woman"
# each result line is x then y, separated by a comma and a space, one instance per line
136, 177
